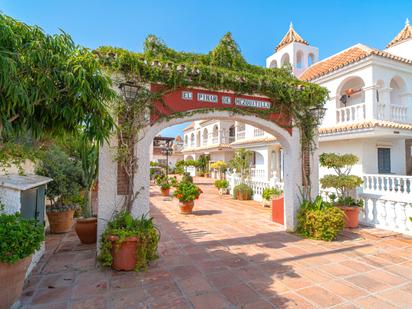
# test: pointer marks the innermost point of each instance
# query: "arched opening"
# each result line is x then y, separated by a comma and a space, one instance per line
299, 59
398, 87
285, 61
290, 143
350, 92
215, 134
232, 134
311, 59
205, 137
273, 64
192, 140
198, 139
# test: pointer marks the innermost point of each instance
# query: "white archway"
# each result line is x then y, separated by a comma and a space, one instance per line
109, 201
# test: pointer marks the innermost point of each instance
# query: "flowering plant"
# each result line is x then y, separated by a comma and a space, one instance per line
187, 191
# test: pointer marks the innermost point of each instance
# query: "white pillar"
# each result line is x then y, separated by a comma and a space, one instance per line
292, 180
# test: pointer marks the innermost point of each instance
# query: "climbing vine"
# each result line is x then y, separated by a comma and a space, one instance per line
224, 68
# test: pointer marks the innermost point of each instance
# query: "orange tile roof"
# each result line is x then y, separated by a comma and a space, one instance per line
254, 140
365, 125
290, 36
405, 34
190, 126
344, 58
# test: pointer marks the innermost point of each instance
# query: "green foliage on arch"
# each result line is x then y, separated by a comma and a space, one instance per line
223, 68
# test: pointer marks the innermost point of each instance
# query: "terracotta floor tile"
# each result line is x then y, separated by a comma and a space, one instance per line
208, 300
319, 296
239, 294
373, 302
397, 297
344, 289
367, 283
227, 252
289, 301
45, 296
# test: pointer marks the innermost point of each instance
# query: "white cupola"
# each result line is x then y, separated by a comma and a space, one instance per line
293, 49
401, 45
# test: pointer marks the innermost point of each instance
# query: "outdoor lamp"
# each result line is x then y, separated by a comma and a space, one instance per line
129, 90
318, 113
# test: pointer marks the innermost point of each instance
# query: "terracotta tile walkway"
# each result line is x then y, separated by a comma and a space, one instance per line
228, 254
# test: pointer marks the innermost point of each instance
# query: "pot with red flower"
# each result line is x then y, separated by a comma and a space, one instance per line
165, 188
187, 193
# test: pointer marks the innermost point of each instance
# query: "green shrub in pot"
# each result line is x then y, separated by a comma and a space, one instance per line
242, 192
320, 220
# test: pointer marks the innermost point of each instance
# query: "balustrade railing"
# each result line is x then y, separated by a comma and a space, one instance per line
215, 139
351, 113
399, 113
387, 184
258, 132
257, 173
240, 135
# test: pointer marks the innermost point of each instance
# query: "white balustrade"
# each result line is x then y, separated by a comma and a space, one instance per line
381, 111
351, 113
257, 185
258, 132
399, 113
386, 213
257, 173
387, 184
205, 142
240, 135
215, 139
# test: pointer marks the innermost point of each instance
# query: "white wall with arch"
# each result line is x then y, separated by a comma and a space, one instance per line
109, 201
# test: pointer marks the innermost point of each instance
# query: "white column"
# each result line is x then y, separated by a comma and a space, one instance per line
292, 180
370, 101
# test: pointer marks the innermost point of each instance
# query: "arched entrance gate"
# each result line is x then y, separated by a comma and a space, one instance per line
190, 104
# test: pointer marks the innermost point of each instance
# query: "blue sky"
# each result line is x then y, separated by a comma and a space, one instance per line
197, 25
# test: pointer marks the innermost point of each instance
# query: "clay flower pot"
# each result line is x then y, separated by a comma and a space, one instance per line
124, 254
186, 207
278, 209
165, 192
242, 196
12, 280
86, 230
351, 216
60, 222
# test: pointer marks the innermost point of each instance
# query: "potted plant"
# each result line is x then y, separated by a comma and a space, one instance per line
242, 192
220, 167
63, 191
222, 185
268, 194
165, 187
344, 184
319, 220
19, 239
87, 153
128, 243
187, 192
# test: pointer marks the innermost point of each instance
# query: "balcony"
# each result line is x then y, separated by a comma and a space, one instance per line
351, 113
396, 113
258, 132
387, 184
240, 135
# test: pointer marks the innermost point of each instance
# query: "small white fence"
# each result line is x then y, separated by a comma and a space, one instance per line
351, 113
257, 185
387, 184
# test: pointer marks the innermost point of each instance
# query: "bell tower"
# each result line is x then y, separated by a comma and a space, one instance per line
293, 50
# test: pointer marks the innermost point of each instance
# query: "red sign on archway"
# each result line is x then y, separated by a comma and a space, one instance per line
192, 99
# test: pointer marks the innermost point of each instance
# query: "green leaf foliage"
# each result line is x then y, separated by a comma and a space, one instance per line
269, 193
19, 237
187, 191
124, 225
67, 175
222, 184
49, 84
320, 220
243, 189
